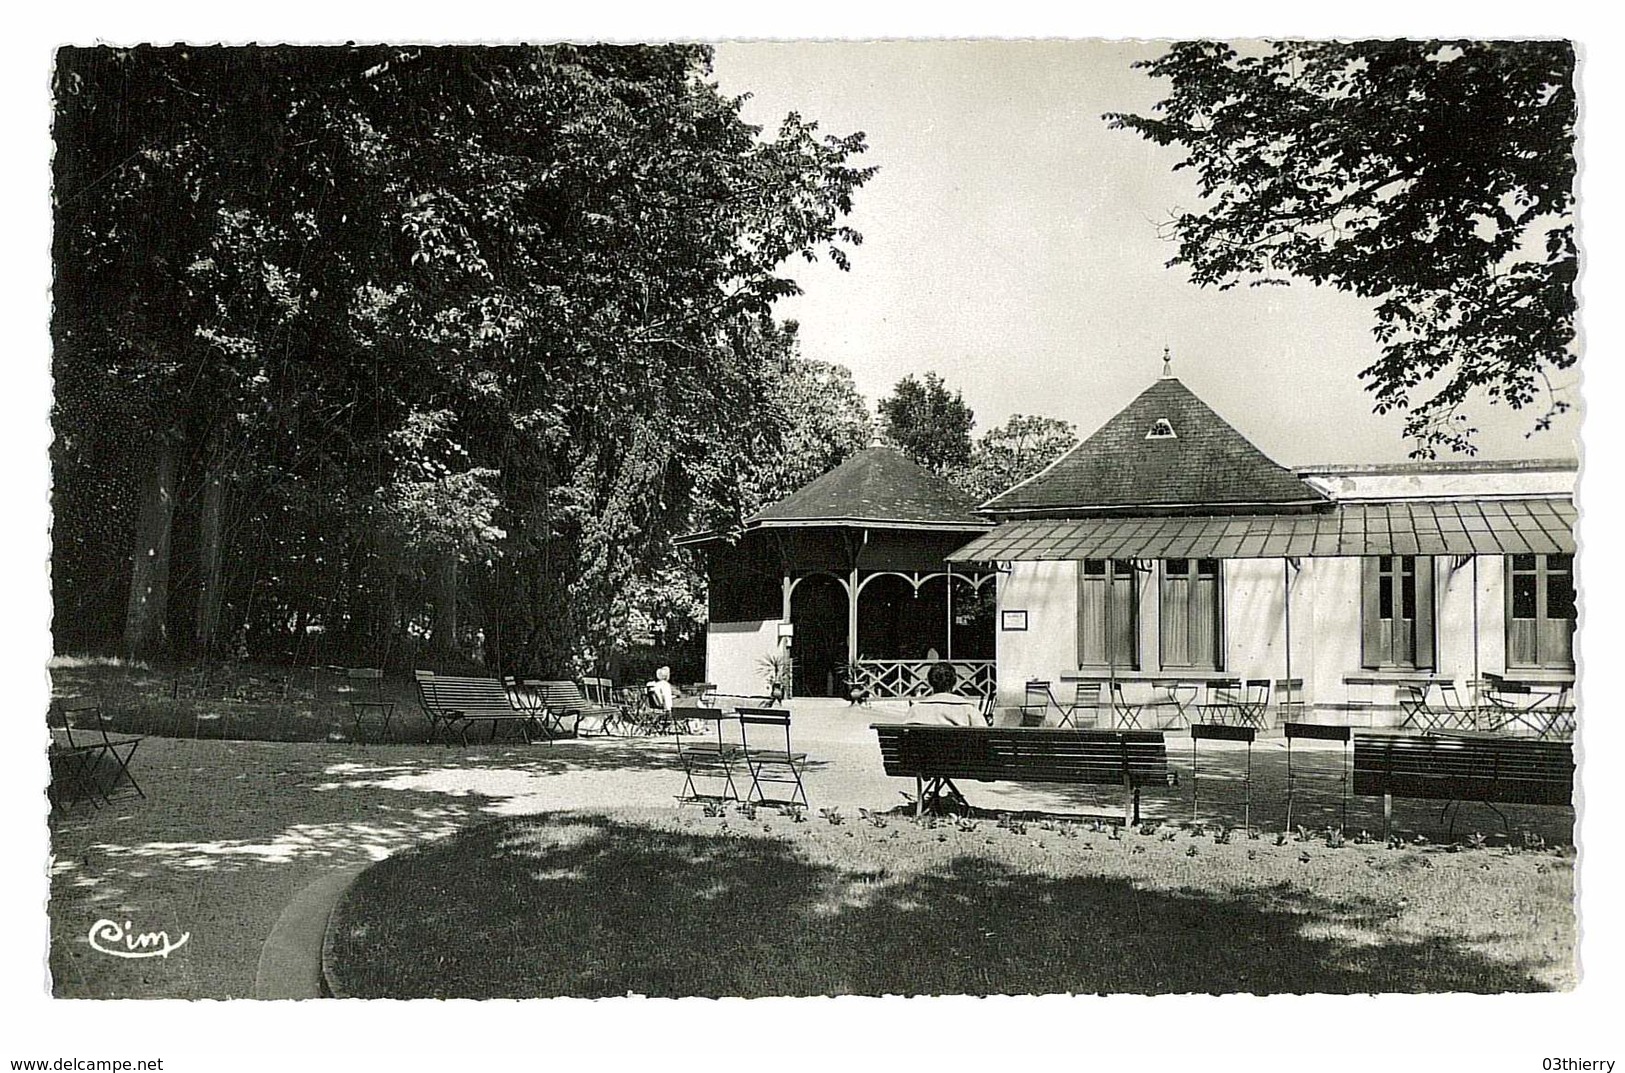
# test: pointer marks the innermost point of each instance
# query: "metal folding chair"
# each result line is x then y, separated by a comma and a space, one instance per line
94, 740
1255, 702
1289, 701
1086, 697
784, 766
367, 700
1128, 712
1462, 711
1035, 704
1219, 732
1560, 722
1319, 732
706, 759
1221, 701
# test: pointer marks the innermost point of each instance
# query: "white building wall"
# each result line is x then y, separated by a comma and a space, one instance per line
1048, 647
1254, 619
733, 652
1335, 613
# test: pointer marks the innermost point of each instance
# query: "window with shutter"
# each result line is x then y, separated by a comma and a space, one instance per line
1540, 611
1190, 614
1108, 618
1396, 612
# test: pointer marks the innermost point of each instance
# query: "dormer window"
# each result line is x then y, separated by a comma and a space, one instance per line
1161, 429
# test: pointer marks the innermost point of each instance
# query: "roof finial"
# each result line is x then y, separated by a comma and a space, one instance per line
1167, 365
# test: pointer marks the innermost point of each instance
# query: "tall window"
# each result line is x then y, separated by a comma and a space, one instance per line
1108, 622
1396, 611
1190, 613
1540, 611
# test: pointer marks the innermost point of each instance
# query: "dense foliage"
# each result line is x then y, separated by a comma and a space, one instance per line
364, 349
1435, 178
927, 422
1005, 456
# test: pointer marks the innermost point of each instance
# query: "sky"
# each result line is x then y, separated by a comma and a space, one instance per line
1011, 245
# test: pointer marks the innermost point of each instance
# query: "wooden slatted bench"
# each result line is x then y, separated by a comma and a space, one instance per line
1456, 768
451, 702
936, 755
563, 702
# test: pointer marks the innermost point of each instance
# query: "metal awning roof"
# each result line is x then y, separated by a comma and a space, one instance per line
1395, 527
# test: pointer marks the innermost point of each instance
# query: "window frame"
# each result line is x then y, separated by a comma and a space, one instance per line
1115, 569
1193, 574
1423, 639
1542, 573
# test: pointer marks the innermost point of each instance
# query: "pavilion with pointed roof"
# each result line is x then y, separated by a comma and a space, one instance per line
849, 574
1166, 552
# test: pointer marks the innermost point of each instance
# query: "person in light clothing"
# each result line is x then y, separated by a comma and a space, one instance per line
944, 707
662, 694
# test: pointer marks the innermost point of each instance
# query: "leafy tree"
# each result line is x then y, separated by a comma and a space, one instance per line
927, 423
443, 325
816, 420
1434, 177
1009, 454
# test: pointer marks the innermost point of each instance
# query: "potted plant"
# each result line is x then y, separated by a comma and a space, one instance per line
852, 674
779, 671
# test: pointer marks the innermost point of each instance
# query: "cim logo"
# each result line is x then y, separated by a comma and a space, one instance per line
107, 937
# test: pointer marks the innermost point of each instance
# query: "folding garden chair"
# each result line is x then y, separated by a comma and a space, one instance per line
1219, 732
1221, 701
1560, 721
1035, 703
706, 760
1255, 703
73, 775
1086, 697
1462, 711
95, 740
783, 766
367, 700
1417, 713
1128, 712
1320, 732
1289, 703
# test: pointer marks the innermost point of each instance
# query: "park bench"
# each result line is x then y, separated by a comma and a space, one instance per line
457, 703
936, 755
1457, 768
563, 701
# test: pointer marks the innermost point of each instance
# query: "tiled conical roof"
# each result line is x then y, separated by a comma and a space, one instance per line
878, 486
1165, 451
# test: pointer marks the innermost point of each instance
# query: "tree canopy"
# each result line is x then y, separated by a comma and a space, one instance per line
1435, 178
358, 333
1005, 456
927, 422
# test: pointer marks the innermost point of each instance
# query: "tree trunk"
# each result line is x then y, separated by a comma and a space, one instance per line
144, 628
209, 559
444, 637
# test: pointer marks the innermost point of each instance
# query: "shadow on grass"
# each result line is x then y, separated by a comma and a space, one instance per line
592, 906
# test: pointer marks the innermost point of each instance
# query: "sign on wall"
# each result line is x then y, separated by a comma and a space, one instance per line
1012, 620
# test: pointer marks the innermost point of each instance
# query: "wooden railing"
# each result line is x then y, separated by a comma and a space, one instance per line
907, 677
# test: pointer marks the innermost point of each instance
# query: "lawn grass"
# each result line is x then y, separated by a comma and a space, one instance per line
677, 903
242, 701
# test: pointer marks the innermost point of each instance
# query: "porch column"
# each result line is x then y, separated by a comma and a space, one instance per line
950, 612
852, 617
1286, 600
786, 615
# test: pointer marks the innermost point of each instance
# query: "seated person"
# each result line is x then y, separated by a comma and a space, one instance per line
661, 693
944, 707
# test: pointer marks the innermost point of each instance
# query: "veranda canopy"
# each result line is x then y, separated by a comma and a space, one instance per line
1413, 527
